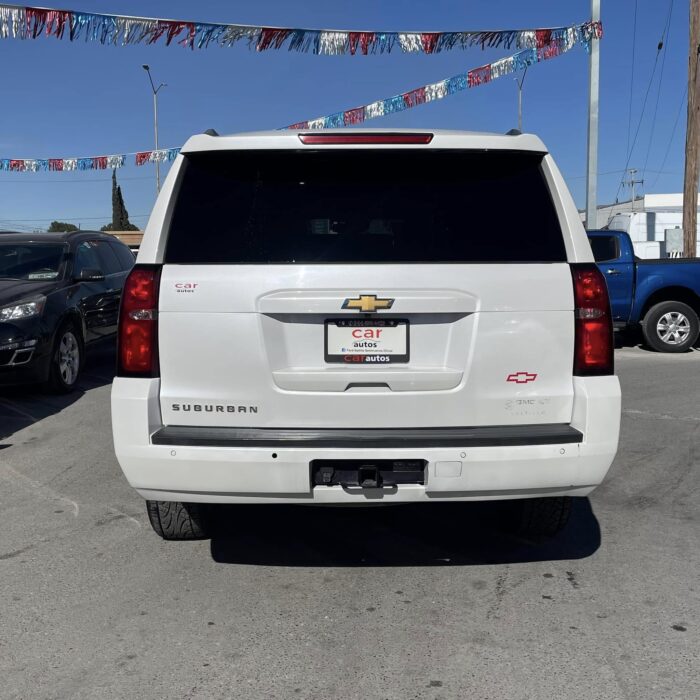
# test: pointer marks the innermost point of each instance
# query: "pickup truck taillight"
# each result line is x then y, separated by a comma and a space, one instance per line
137, 346
593, 351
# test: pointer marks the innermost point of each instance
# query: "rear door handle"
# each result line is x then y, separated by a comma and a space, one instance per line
612, 271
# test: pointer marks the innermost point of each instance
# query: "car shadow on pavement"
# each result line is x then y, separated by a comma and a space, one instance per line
22, 406
633, 338
432, 534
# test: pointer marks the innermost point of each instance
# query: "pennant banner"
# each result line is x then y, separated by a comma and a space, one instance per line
555, 46
21, 22
436, 91
33, 165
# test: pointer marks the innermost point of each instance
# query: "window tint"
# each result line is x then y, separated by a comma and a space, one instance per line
604, 248
109, 263
31, 261
86, 258
125, 256
363, 206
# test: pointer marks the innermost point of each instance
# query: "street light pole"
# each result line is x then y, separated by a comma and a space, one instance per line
155, 90
593, 94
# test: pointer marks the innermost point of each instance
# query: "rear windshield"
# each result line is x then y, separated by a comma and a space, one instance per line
363, 206
604, 248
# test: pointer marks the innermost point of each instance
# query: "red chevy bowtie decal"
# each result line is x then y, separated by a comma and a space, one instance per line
522, 377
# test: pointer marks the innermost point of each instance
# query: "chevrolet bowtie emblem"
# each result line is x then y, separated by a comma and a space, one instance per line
522, 377
367, 303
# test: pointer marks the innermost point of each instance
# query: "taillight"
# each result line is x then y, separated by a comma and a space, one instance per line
380, 138
137, 353
593, 354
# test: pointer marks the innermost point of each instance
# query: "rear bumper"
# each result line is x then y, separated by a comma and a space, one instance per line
370, 438
255, 466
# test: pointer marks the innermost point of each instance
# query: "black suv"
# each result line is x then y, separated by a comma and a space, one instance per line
59, 292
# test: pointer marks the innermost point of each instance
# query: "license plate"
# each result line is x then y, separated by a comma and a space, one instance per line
366, 341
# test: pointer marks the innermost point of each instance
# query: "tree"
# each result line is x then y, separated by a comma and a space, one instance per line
61, 227
120, 216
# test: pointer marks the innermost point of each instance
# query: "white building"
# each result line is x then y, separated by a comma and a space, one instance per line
654, 223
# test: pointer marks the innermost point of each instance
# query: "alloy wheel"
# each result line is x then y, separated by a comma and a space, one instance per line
69, 358
673, 328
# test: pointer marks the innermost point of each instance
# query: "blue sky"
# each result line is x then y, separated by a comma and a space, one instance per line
61, 99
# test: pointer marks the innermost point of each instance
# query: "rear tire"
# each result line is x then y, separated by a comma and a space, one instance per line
540, 517
178, 521
671, 326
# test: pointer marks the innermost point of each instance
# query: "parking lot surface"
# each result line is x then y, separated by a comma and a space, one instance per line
402, 602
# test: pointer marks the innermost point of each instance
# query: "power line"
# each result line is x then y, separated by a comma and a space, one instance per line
641, 117
77, 218
581, 177
62, 181
10, 225
617, 172
673, 133
664, 43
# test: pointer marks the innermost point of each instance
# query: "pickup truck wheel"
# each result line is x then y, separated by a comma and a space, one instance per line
671, 326
178, 521
540, 517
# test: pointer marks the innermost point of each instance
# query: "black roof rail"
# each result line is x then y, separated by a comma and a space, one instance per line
211, 132
514, 132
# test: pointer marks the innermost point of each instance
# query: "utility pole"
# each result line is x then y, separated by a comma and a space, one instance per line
632, 182
593, 91
520, 99
692, 137
155, 90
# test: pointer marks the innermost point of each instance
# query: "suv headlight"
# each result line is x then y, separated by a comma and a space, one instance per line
22, 309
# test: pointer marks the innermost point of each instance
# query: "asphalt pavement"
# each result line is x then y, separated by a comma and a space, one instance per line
429, 601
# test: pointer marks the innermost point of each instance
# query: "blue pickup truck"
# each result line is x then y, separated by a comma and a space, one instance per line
662, 296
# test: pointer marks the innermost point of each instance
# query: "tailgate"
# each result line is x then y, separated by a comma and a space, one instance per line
236, 351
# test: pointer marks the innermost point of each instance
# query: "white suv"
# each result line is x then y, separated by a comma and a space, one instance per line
372, 317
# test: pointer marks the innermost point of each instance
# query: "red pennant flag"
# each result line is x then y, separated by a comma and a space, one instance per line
429, 40
354, 116
414, 97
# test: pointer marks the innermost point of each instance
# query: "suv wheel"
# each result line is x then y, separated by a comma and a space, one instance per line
66, 359
540, 517
178, 521
671, 326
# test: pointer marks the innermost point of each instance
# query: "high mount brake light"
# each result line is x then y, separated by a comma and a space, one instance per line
137, 352
351, 139
593, 350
